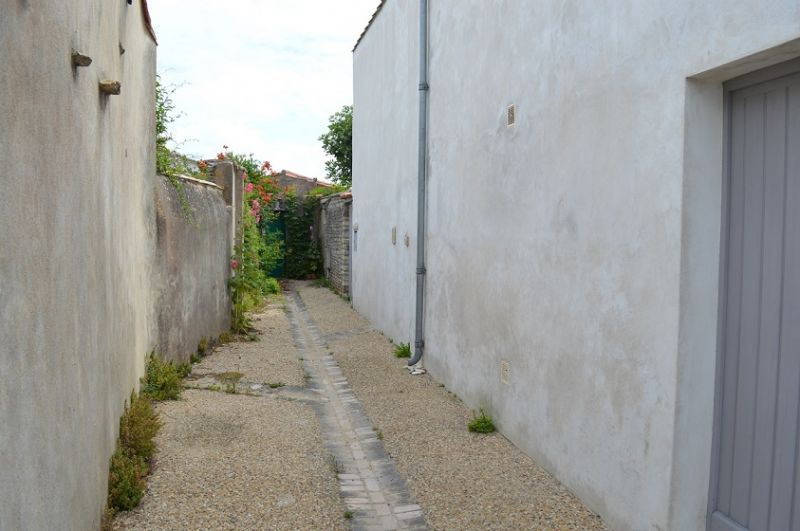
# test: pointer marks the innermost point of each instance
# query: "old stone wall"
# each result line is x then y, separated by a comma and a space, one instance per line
192, 266
335, 240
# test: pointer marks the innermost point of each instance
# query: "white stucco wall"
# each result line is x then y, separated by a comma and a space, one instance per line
76, 211
385, 158
581, 245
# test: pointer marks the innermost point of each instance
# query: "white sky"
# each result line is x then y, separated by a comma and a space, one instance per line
260, 76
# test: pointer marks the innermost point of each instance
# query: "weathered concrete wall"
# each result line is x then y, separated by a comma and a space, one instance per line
335, 240
76, 251
193, 267
230, 178
581, 244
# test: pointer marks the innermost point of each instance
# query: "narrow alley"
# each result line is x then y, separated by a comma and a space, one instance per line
318, 426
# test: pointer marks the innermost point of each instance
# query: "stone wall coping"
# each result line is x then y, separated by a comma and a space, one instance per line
200, 181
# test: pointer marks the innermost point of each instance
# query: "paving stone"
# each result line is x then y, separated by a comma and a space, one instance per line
344, 428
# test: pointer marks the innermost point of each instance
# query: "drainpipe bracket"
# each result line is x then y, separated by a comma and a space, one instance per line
424, 86
421, 271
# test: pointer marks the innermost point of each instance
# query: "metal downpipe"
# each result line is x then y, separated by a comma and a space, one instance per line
422, 165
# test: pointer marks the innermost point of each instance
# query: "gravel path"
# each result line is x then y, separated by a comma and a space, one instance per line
272, 359
463, 481
233, 461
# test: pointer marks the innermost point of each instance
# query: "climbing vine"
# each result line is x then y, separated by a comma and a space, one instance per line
303, 258
168, 163
257, 253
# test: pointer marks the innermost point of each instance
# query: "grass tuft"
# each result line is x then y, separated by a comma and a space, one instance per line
403, 350
481, 424
130, 463
138, 427
161, 380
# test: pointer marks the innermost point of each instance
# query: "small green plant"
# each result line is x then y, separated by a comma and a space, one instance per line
272, 286
130, 463
214, 387
225, 337
403, 350
202, 346
138, 427
379, 434
195, 359
161, 380
184, 369
481, 423
348, 515
126, 483
323, 282
252, 336
229, 380
276, 385
334, 464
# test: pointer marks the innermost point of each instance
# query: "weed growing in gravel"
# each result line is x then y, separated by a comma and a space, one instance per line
252, 336
138, 427
214, 388
225, 337
481, 423
334, 464
202, 346
195, 359
126, 483
275, 385
348, 515
403, 350
161, 380
130, 463
378, 434
229, 380
184, 369
323, 282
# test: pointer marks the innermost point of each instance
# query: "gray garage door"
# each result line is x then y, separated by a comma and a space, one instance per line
755, 476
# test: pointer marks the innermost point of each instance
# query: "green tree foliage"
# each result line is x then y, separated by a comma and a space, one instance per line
165, 108
338, 144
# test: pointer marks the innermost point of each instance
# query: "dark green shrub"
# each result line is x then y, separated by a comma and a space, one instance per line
161, 380
481, 424
126, 483
138, 427
302, 256
271, 286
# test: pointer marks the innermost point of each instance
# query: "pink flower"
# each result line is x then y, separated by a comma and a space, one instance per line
249, 187
256, 204
234, 264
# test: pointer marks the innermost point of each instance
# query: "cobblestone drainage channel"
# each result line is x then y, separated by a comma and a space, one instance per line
370, 485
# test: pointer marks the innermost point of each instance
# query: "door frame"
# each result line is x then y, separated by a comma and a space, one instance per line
763, 75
